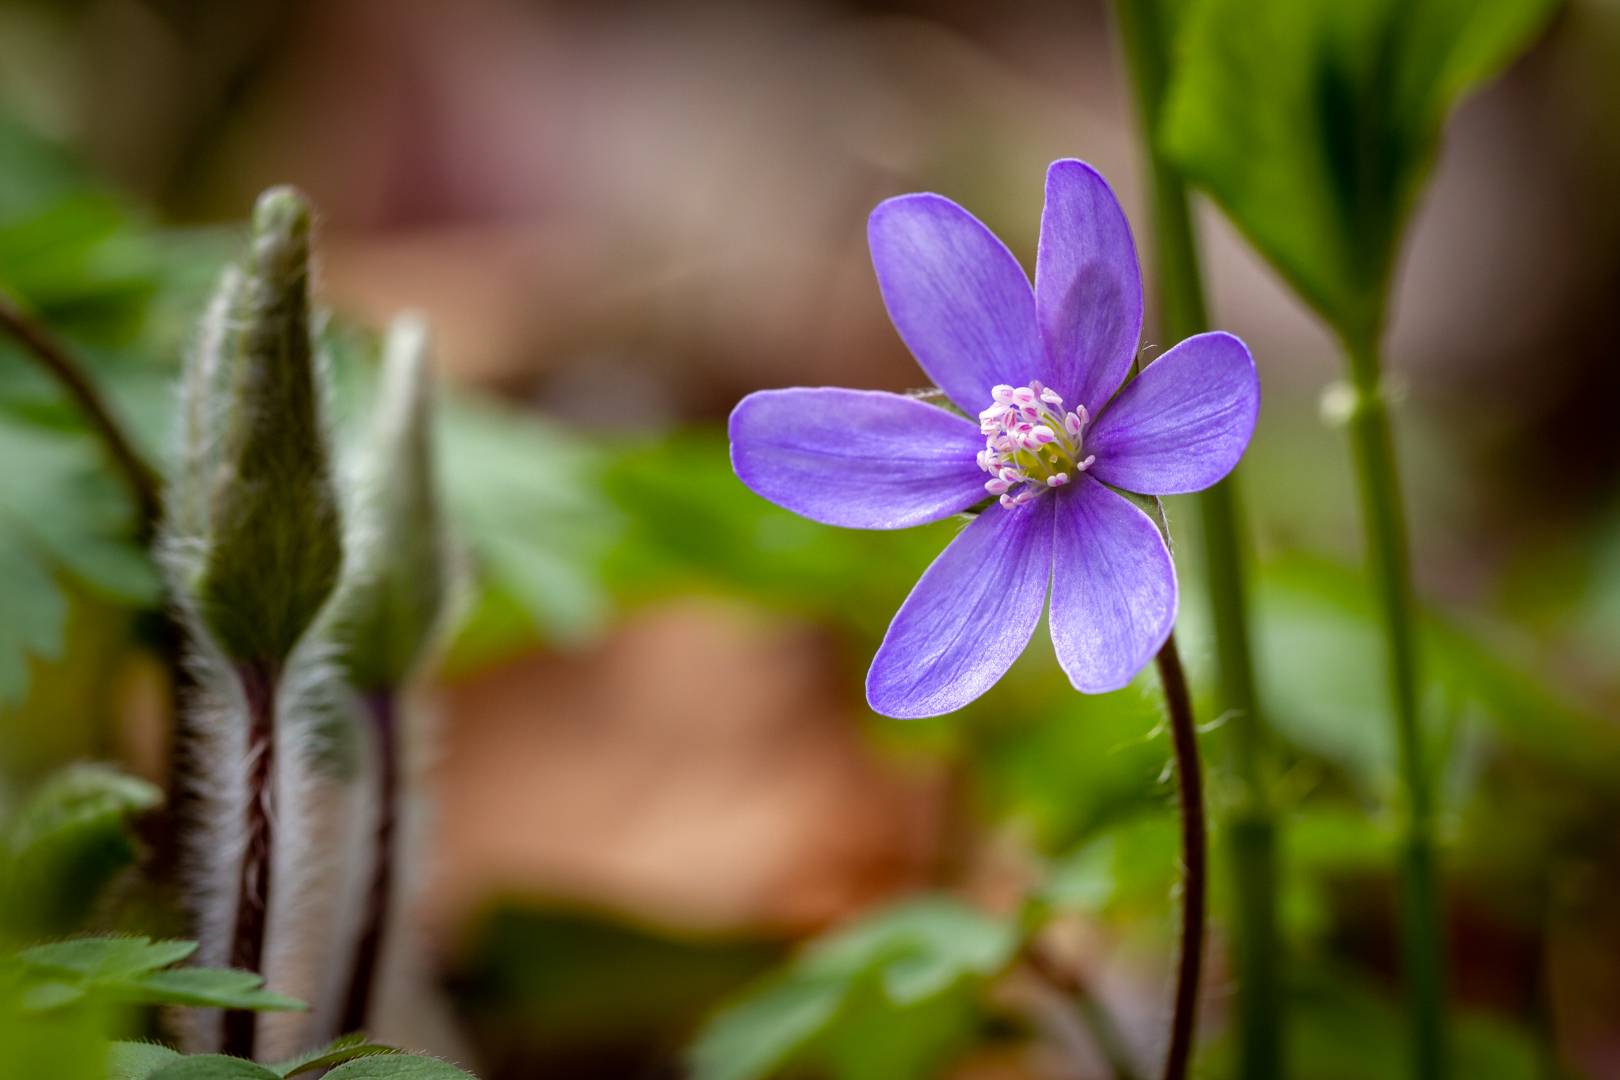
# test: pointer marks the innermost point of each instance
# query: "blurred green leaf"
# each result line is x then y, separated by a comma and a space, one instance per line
868, 999
1314, 123
60, 511
131, 970
693, 526
65, 1044
66, 845
523, 495
1320, 662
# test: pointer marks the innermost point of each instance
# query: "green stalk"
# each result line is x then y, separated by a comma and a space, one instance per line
1251, 828
1423, 940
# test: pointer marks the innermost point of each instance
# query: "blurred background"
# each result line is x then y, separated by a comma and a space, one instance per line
653, 770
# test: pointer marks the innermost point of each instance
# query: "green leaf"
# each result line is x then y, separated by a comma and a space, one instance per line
336, 1052
522, 494
137, 1060
878, 975
107, 959
921, 947
759, 1033
36, 612
398, 1067
135, 970
1315, 123
60, 511
211, 987
212, 1067
67, 844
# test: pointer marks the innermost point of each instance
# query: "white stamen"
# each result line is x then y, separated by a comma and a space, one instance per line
1031, 445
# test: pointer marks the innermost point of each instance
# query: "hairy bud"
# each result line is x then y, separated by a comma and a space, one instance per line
272, 544
391, 599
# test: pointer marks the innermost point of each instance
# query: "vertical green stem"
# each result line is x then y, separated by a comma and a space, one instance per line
1389, 567
1251, 829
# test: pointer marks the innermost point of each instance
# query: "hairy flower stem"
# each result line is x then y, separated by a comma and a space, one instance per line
253, 884
1423, 933
381, 705
1251, 828
59, 360
1194, 856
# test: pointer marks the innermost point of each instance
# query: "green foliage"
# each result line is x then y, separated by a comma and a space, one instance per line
1314, 123
394, 585
890, 996
66, 845
137, 971
1322, 657
523, 496
350, 1057
693, 526
61, 513
273, 545
347, 1048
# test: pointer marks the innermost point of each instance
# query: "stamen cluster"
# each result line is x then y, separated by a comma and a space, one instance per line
1030, 443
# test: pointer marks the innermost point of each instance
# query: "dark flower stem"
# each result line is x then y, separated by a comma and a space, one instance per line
1423, 925
1194, 856
60, 362
1251, 825
253, 884
368, 950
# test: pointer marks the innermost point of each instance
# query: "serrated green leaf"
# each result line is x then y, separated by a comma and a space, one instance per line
398, 1067
107, 959
346, 1048
137, 1060
213, 987
1315, 122
212, 1067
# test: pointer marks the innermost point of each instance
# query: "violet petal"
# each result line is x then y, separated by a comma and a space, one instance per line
1183, 423
969, 616
1113, 588
957, 296
858, 458
1088, 287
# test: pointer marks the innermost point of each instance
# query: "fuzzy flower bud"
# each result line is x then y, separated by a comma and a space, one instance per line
272, 543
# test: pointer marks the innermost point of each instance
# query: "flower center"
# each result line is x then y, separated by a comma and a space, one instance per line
1030, 443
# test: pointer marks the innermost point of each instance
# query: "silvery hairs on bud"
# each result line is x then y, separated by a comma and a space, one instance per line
393, 591
381, 624
253, 548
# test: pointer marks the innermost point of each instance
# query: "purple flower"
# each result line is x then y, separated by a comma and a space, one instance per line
1041, 369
